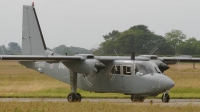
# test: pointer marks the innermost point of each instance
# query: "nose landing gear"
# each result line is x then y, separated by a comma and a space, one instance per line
165, 97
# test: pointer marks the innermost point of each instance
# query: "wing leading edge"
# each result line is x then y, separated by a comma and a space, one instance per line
41, 58
180, 59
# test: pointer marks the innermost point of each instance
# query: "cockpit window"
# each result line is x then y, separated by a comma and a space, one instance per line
115, 69
143, 68
127, 70
155, 67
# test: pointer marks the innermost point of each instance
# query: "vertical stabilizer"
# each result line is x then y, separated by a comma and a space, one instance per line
32, 38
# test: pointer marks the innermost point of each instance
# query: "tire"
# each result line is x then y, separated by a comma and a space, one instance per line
132, 98
78, 97
137, 98
71, 97
165, 98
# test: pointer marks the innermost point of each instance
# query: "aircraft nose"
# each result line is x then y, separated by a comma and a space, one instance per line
166, 83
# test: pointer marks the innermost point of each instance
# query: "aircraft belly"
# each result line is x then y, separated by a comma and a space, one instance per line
134, 85
147, 84
139, 85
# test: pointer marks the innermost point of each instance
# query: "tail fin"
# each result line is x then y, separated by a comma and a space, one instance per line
32, 38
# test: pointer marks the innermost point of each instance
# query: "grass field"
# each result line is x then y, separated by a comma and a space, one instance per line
18, 81
187, 80
92, 107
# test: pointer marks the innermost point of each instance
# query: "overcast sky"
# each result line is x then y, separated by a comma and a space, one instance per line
82, 23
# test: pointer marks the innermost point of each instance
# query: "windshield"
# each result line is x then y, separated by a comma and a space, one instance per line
144, 68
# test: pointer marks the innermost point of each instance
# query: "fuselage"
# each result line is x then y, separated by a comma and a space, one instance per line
119, 76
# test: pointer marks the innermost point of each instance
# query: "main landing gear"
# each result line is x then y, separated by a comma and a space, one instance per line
135, 98
73, 96
165, 97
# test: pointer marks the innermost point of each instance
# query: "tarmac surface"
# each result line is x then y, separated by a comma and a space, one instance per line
172, 102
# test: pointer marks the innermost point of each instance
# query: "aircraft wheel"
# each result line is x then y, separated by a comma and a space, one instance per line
165, 98
71, 97
141, 99
78, 97
132, 98
137, 99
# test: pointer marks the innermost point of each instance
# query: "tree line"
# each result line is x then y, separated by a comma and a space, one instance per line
137, 38
143, 41
12, 49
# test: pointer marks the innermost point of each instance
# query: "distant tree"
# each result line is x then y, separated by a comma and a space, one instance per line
79, 50
2, 50
106, 47
190, 47
138, 38
164, 48
63, 50
113, 34
141, 27
175, 38
68, 51
14, 48
125, 44
60, 49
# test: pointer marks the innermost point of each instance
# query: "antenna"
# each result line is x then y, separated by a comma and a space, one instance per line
116, 53
133, 56
2, 50
153, 50
33, 3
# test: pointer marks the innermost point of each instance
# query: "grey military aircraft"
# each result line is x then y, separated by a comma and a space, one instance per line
138, 77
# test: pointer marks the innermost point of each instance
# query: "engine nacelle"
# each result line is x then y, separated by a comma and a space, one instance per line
162, 66
88, 66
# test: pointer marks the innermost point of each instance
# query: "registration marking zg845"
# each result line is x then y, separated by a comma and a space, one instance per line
39, 64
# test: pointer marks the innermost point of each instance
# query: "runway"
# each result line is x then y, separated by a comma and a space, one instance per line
172, 102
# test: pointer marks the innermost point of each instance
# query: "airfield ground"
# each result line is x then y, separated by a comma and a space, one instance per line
42, 106
17, 81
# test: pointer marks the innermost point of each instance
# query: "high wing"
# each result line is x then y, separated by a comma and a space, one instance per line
111, 58
62, 58
41, 58
173, 60
181, 58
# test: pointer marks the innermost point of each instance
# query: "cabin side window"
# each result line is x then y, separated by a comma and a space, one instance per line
115, 69
127, 70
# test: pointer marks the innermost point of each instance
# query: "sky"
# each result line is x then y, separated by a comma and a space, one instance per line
82, 23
